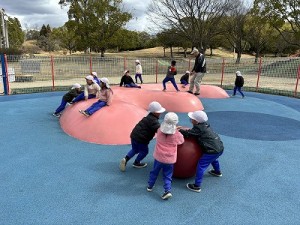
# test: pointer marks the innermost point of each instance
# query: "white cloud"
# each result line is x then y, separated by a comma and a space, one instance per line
35, 13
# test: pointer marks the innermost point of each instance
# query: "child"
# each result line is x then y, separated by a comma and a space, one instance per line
105, 98
90, 90
210, 143
68, 97
165, 153
239, 83
170, 76
138, 71
184, 80
128, 81
96, 79
141, 135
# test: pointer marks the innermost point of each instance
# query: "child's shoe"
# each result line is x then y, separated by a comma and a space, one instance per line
149, 189
56, 115
164, 89
123, 164
84, 113
139, 165
214, 173
192, 187
166, 195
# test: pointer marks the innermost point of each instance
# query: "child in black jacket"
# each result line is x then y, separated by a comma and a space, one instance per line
141, 135
210, 143
238, 84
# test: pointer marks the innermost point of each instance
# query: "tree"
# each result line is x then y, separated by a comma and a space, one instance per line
167, 39
45, 41
234, 28
197, 21
281, 12
15, 34
96, 22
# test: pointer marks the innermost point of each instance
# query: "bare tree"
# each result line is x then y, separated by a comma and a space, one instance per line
197, 20
234, 28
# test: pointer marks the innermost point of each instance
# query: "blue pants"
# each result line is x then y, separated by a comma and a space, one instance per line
138, 148
203, 164
239, 90
138, 76
132, 85
95, 107
81, 97
172, 81
184, 82
167, 174
61, 107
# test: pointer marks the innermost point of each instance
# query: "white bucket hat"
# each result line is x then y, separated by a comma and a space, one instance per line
199, 116
195, 50
187, 72
238, 73
126, 71
95, 74
105, 81
89, 77
168, 126
76, 86
137, 61
155, 107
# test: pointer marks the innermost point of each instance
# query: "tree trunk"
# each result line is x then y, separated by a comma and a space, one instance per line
164, 52
102, 52
171, 49
256, 57
238, 59
211, 51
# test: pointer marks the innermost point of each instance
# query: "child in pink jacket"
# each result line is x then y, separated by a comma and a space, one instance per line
165, 153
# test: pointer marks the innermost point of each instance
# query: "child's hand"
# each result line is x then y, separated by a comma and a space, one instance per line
178, 127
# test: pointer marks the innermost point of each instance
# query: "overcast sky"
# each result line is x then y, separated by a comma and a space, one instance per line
35, 13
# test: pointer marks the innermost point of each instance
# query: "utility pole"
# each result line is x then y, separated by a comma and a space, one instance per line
4, 31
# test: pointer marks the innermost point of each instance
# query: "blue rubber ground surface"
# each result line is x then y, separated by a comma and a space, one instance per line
47, 177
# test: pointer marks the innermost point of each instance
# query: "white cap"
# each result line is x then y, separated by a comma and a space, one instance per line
155, 107
199, 116
95, 74
137, 61
76, 86
238, 73
89, 77
168, 126
105, 81
195, 50
126, 71
187, 71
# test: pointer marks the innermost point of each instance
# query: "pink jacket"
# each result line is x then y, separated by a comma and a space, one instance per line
166, 146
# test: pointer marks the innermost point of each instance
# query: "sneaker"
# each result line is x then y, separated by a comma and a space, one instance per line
164, 89
149, 189
122, 165
139, 165
196, 93
71, 102
166, 195
84, 113
192, 187
56, 115
178, 90
190, 92
214, 173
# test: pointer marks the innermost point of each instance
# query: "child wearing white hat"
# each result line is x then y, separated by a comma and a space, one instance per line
138, 71
105, 98
91, 90
141, 136
210, 143
184, 80
165, 153
68, 97
96, 79
127, 81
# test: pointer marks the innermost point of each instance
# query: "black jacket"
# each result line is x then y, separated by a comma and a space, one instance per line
208, 140
185, 77
126, 80
145, 130
200, 64
239, 81
73, 93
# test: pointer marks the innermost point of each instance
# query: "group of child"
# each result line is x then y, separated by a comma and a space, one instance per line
169, 135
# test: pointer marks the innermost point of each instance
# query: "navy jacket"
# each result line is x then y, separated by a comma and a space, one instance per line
208, 140
126, 80
200, 64
239, 81
73, 93
145, 130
